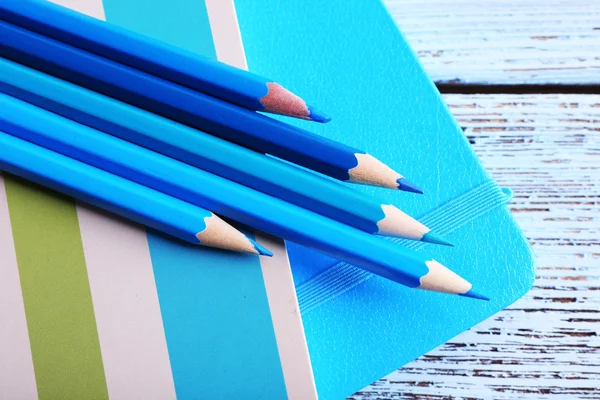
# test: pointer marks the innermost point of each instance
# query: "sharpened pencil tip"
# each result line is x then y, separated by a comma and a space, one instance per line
474, 295
263, 251
431, 237
408, 186
317, 116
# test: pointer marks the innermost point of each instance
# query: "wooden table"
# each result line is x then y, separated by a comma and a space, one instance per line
523, 78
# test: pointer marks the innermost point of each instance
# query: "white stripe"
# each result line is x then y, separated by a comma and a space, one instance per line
126, 305
285, 312
17, 377
226, 33
130, 326
279, 283
93, 8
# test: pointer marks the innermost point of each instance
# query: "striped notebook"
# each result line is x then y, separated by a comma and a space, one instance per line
93, 307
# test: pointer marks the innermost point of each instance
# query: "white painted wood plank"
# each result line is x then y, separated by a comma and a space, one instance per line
547, 345
504, 41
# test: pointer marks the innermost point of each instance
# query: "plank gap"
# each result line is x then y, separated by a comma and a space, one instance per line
468, 88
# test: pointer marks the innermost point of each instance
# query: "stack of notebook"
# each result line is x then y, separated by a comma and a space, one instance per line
217, 331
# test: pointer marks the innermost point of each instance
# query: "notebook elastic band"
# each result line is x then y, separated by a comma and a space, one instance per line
445, 219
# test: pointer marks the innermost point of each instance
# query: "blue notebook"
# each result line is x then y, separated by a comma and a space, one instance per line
351, 60
155, 318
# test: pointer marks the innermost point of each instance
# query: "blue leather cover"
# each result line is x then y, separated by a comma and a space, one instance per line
349, 59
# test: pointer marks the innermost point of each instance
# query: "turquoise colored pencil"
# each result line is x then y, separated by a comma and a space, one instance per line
210, 153
227, 198
198, 110
120, 196
157, 58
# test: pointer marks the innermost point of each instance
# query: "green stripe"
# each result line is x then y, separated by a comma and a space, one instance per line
56, 292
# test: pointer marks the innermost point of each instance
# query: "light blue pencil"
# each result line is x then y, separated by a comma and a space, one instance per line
210, 153
120, 196
229, 199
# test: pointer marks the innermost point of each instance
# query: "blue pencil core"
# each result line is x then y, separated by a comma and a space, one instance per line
263, 251
408, 186
431, 237
474, 295
317, 116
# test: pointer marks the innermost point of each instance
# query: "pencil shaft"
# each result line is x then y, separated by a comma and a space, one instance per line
194, 147
195, 109
102, 189
224, 197
161, 59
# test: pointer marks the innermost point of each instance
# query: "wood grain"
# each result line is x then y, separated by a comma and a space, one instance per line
546, 346
504, 41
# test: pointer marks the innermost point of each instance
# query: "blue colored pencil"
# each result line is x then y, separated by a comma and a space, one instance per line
217, 79
228, 198
120, 196
197, 110
210, 153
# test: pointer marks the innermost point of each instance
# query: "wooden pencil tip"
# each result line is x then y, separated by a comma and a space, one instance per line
371, 171
407, 186
279, 100
474, 295
317, 116
220, 234
441, 279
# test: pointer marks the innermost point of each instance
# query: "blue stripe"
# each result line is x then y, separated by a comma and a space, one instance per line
214, 305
